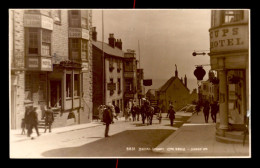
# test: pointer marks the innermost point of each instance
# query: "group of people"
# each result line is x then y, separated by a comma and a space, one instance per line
213, 108
31, 121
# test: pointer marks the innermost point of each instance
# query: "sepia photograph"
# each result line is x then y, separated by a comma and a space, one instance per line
129, 83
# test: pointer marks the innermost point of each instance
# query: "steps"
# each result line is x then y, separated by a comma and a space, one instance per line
56, 113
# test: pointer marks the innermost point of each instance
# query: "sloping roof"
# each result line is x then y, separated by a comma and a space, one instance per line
108, 49
168, 83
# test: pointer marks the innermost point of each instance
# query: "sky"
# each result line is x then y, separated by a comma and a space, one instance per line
166, 37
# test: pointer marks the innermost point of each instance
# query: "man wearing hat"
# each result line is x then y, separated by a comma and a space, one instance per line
171, 114
33, 122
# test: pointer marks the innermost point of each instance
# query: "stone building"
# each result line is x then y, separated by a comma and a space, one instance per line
229, 56
174, 92
108, 68
50, 55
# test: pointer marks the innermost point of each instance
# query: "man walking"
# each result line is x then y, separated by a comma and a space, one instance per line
117, 111
49, 118
107, 119
171, 114
33, 122
206, 111
214, 111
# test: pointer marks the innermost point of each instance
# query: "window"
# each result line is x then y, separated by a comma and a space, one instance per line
57, 16
74, 18
33, 41
128, 85
68, 85
76, 85
111, 64
232, 16
84, 23
74, 48
84, 53
46, 42
119, 85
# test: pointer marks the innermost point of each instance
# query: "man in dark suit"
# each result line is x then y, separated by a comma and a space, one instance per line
107, 118
33, 122
49, 118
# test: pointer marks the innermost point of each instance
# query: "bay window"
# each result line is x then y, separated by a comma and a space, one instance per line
76, 85
230, 16
68, 85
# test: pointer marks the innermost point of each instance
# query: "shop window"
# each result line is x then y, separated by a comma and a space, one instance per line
33, 41
28, 87
230, 16
76, 85
46, 42
84, 53
68, 85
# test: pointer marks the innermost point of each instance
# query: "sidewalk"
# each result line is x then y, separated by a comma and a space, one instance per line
197, 139
16, 134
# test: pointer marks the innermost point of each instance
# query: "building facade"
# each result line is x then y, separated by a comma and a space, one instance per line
130, 78
50, 64
174, 92
107, 72
229, 56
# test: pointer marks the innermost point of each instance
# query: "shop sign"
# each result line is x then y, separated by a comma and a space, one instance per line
85, 34
47, 22
84, 66
32, 20
33, 63
229, 38
46, 64
74, 32
36, 20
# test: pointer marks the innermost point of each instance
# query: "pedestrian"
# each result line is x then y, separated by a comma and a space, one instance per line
111, 106
206, 109
197, 108
33, 122
49, 118
159, 114
133, 112
171, 114
23, 126
26, 118
100, 112
137, 109
117, 109
107, 119
214, 110
127, 112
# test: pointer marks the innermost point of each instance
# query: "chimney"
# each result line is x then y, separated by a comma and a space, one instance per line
119, 44
111, 40
94, 34
185, 80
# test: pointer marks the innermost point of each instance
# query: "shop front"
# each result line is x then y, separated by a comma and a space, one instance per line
229, 56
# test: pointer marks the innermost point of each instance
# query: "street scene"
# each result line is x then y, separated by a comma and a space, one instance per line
109, 83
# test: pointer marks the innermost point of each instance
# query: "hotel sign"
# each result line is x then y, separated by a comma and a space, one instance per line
129, 75
78, 33
111, 86
39, 21
229, 38
46, 64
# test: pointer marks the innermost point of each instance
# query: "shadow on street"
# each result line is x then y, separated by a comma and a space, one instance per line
140, 143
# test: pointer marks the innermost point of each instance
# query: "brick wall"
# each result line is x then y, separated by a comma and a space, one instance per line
60, 38
18, 35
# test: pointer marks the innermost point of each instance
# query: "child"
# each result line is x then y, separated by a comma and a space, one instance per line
159, 116
23, 126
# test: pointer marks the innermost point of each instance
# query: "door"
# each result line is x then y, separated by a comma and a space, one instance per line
55, 95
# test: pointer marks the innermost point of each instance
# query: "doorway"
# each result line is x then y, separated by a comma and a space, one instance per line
55, 96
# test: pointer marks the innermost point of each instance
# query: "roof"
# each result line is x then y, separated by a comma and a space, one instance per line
108, 49
168, 83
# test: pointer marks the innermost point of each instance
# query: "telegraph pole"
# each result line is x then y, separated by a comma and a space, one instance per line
104, 63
